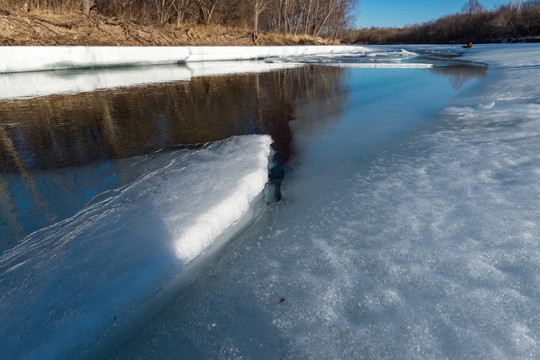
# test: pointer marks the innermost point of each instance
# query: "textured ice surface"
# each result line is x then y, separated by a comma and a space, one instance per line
389, 65
72, 289
33, 84
427, 249
365, 57
38, 58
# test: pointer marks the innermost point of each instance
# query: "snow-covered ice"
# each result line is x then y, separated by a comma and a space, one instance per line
23, 69
386, 65
74, 288
425, 245
28, 58
427, 248
44, 83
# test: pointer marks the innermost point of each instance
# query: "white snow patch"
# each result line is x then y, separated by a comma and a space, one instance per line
23, 58
408, 53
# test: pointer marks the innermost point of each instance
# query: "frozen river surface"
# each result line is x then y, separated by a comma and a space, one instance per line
408, 226
426, 246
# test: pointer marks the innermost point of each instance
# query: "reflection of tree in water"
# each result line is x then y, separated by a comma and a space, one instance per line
66, 131
59, 131
459, 75
318, 112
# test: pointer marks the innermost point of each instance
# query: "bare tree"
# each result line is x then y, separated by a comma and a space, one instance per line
516, 3
182, 8
86, 6
258, 7
285, 15
163, 10
472, 7
206, 9
322, 16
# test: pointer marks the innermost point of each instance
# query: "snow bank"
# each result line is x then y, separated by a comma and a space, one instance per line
33, 84
21, 59
74, 288
43, 83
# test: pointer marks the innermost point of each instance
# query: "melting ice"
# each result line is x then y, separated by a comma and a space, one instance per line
76, 287
425, 245
429, 248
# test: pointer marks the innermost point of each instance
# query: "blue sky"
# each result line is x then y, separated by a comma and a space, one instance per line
397, 13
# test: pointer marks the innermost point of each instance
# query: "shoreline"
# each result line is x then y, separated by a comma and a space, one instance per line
17, 59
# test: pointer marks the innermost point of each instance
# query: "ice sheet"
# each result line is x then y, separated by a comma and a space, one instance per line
73, 289
360, 57
44, 83
429, 250
28, 58
384, 65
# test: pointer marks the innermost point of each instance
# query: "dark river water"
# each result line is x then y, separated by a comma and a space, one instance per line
57, 152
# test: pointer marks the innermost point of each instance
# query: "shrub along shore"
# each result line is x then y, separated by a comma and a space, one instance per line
506, 23
247, 22
174, 22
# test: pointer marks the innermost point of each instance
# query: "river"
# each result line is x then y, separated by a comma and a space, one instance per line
405, 225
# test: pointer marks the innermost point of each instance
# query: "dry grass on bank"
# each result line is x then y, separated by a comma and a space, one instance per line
43, 27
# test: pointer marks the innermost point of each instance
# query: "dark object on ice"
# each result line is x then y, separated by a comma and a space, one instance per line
276, 174
468, 46
281, 300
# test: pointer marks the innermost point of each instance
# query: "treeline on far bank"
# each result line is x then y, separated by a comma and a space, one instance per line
316, 18
509, 23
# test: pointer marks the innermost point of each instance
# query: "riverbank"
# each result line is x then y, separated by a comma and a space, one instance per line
43, 28
30, 58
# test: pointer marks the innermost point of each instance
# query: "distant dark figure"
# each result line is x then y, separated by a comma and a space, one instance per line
468, 46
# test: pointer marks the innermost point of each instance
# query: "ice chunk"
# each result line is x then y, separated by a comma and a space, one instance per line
70, 290
408, 53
